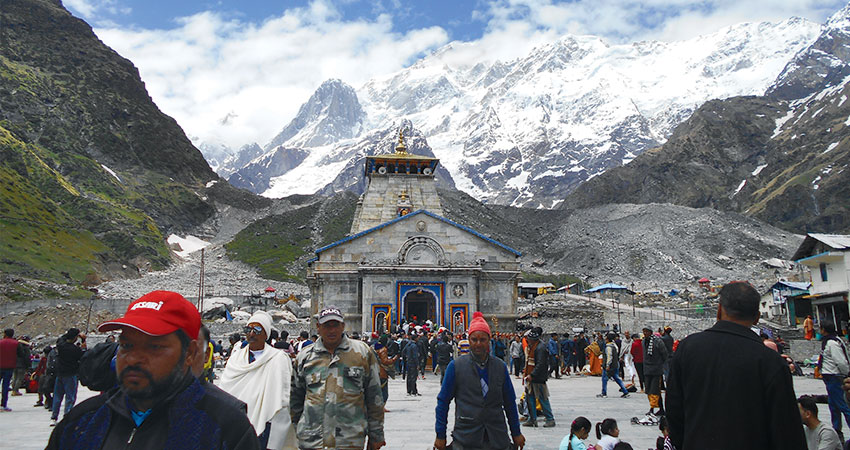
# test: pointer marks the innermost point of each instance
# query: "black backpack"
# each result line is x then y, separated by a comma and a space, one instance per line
96, 371
52, 358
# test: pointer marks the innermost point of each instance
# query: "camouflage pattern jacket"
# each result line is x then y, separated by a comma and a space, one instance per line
336, 398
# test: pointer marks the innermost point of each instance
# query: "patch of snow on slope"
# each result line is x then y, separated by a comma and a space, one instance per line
759, 169
112, 173
740, 186
829, 149
781, 121
189, 244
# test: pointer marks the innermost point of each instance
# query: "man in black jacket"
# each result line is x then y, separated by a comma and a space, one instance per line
158, 404
444, 355
536, 375
727, 390
654, 360
67, 368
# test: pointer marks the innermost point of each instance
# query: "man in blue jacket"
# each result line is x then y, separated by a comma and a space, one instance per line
158, 404
554, 348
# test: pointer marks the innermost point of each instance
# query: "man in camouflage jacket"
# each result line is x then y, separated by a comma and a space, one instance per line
336, 399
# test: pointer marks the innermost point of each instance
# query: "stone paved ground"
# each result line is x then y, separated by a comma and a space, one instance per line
410, 424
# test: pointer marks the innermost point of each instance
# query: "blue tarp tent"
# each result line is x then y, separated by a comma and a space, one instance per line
608, 287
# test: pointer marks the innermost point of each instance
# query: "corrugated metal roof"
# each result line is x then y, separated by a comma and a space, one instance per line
836, 241
840, 242
795, 285
535, 285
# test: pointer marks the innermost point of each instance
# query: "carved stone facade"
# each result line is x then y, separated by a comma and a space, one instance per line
412, 265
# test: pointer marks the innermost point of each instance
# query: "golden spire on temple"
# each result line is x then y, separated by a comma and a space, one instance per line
401, 149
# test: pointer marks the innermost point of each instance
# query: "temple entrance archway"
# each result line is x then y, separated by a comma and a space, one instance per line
420, 305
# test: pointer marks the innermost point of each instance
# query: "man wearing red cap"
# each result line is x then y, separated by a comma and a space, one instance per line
158, 404
484, 396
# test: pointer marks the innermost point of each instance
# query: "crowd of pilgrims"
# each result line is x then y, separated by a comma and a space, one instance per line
414, 348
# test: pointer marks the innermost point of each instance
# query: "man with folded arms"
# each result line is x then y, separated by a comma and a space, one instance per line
158, 403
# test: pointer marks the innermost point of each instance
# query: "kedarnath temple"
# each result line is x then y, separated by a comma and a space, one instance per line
402, 259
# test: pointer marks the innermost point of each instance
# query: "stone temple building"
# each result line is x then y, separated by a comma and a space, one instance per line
404, 260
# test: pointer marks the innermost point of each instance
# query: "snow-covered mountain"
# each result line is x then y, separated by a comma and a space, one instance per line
822, 65
331, 114
527, 132
782, 157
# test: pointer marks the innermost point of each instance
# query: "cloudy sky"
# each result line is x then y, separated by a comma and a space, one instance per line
237, 71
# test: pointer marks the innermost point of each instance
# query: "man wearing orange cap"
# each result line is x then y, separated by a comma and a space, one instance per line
159, 403
484, 396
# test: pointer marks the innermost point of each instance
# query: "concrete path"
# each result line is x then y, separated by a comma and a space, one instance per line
626, 309
410, 424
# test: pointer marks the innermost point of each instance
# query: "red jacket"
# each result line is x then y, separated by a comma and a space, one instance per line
637, 350
8, 353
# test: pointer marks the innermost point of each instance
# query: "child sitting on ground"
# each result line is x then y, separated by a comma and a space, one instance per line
579, 430
663, 442
608, 434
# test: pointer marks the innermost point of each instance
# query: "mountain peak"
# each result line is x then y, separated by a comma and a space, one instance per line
840, 20
332, 113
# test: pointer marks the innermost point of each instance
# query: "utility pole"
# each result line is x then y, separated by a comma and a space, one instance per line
201, 286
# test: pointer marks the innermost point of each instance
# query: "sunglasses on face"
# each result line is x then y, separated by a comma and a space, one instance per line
256, 329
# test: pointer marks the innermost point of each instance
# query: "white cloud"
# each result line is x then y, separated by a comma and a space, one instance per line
93, 10
210, 65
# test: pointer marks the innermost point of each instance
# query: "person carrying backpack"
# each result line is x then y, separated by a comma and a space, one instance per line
97, 367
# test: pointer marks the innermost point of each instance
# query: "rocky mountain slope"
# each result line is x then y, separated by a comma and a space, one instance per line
527, 132
782, 157
93, 176
651, 245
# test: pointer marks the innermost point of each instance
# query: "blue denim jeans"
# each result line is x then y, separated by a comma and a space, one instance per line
837, 404
6, 375
65, 387
615, 377
532, 406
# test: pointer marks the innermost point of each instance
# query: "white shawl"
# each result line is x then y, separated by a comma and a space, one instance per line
264, 386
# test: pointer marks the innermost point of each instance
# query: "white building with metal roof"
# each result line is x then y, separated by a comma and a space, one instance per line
828, 258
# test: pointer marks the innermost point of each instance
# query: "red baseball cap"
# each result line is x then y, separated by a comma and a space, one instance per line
159, 313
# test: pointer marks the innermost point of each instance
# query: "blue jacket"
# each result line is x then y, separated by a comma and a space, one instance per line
189, 419
553, 347
568, 347
411, 352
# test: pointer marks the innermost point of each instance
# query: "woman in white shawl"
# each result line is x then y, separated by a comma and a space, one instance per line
260, 375
628, 359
